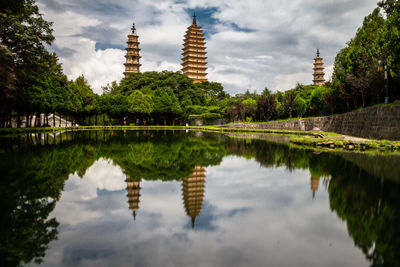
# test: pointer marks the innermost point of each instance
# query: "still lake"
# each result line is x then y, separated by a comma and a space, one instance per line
176, 198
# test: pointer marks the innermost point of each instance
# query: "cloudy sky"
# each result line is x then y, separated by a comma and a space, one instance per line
251, 44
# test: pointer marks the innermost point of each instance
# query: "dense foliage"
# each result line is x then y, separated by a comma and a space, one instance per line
161, 98
358, 80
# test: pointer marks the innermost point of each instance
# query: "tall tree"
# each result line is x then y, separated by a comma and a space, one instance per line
140, 104
7, 80
390, 40
23, 33
166, 104
355, 74
289, 102
266, 107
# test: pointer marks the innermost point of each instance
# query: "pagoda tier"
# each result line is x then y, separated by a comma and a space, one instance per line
194, 59
194, 42
191, 67
133, 188
132, 49
193, 48
318, 71
193, 192
197, 75
195, 37
132, 64
193, 63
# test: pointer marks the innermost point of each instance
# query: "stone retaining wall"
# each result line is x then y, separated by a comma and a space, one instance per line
377, 122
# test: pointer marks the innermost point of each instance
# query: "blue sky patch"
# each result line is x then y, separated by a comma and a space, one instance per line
103, 46
205, 19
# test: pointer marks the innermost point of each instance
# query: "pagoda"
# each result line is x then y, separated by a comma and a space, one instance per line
193, 192
132, 56
314, 185
318, 71
194, 53
133, 188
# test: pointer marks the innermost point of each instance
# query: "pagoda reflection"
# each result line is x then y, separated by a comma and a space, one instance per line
314, 183
193, 192
133, 188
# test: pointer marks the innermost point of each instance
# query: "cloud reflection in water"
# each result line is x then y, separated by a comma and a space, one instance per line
250, 216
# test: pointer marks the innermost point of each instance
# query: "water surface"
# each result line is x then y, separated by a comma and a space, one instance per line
168, 198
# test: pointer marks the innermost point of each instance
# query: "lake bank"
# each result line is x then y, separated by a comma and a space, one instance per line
374, 122
312, 139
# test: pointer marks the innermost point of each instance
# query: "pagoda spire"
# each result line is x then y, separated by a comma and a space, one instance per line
133, 28
194, 18
132, 64
319, 79
194, 53
193, 222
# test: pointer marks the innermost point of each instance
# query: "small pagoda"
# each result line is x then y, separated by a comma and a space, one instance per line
194, 53
319, 79
193, 192
314, 184
133, 188
132, 64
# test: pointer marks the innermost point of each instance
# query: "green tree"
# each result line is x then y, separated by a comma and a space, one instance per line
266, 92
140, 104
23, 35
390, 40
212, 90
317, 104
289, 102
300, 106
266, 107
388, 5
163, 103
7, 80
356, 81
83, 91
250, 106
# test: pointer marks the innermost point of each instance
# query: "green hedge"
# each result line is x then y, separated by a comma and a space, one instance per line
205, 116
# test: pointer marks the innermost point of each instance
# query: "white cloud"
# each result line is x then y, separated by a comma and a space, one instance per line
98, 66
102, 175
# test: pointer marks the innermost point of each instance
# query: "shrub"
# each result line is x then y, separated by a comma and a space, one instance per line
211, 116
205, 116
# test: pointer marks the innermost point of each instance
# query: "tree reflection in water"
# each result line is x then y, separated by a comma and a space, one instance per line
35, 167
